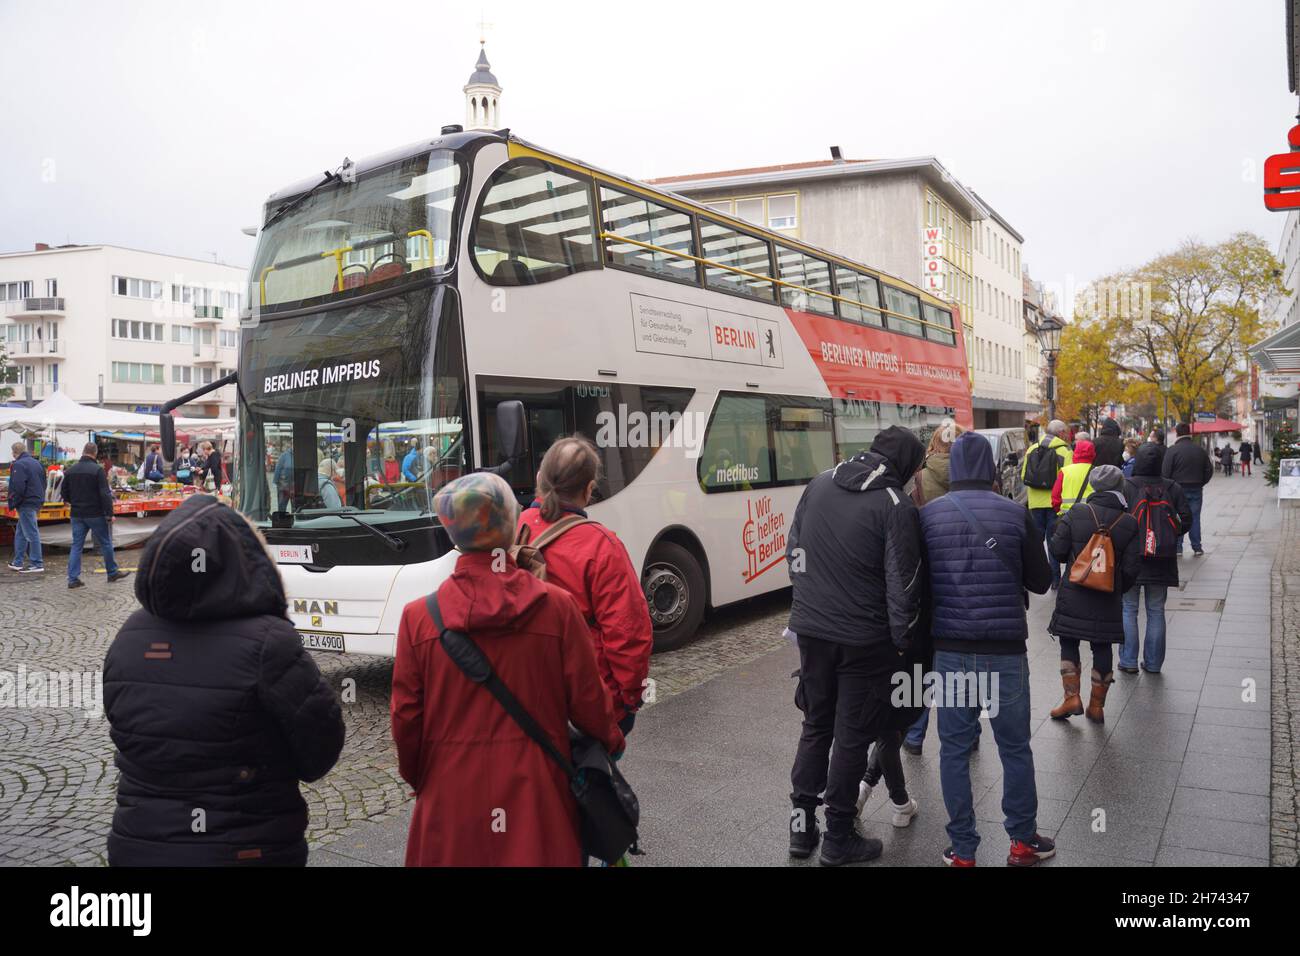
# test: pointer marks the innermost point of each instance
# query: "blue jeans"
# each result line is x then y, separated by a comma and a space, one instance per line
1194, 498
1045, 521
1153, 652
27, 538
103, 541
958, 726
916, 733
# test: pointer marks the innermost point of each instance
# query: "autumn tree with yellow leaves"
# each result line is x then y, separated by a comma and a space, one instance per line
1191, 313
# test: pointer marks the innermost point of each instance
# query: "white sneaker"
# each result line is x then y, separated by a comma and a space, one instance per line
864, 794
903, 814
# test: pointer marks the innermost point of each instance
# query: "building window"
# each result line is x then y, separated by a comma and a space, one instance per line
229, 339
12, 291
782, 211
142, 373
183, 334
750, 210
136, 288
137, 331
182, 375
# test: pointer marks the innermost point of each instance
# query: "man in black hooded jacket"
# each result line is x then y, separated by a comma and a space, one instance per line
854, 553
1109, 444
215, 709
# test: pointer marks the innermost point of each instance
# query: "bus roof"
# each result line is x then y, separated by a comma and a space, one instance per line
458, 139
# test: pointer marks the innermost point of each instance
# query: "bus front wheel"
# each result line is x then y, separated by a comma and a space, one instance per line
674, 591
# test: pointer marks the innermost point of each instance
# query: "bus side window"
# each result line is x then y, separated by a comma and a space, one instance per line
534, 224
736, 455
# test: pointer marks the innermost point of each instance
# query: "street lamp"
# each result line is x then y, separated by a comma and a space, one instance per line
101, 390
1166, 385
1049, 342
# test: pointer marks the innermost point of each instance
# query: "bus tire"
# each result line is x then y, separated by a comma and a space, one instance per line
674, 588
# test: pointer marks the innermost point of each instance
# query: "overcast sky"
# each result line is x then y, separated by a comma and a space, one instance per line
1105, 132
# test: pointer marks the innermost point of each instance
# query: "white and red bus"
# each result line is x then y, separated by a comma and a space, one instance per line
461, 303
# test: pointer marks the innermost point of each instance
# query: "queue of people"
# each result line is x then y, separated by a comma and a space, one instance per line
900, 558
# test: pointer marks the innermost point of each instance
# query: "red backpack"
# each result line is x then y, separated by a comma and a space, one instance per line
1158, 526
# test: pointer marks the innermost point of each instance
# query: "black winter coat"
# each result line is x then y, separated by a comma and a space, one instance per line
216, 710
1188, 464
854, 551
1109, 444
85, 489
1082, 613
1146, 471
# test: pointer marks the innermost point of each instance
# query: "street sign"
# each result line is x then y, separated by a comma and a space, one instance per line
1206, 416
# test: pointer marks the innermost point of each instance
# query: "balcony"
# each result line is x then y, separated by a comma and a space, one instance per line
38, 307
36, 348
207, 314
206, 355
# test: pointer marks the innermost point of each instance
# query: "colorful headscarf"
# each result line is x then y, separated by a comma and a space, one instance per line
479, 512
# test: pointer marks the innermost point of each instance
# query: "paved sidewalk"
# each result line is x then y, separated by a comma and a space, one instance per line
1180, 771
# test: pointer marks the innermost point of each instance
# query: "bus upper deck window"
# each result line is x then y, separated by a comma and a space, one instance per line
535, 224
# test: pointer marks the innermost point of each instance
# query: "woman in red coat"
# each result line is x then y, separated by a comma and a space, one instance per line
486, 794
591, 563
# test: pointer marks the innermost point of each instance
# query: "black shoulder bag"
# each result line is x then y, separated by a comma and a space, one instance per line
608, 810
991, 543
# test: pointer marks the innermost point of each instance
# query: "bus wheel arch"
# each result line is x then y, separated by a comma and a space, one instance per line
675, 581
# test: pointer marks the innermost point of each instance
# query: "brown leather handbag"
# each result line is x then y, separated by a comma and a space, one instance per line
1095, 565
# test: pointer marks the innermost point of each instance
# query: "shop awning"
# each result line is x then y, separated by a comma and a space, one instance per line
1218, 425
1280, 352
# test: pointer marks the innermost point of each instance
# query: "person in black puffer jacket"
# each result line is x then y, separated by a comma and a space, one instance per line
215, 709
1109, 444
854, 552
1166, 502
1085, 614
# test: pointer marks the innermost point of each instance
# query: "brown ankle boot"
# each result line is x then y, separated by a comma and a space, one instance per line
1072, 705
1097, 702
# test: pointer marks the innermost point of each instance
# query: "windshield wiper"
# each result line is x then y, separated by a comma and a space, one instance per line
294, 204
347, 511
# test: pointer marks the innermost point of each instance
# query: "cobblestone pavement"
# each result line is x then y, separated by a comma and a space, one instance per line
57, 779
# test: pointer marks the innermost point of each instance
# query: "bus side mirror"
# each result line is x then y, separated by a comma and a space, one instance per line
167, 436
512, 426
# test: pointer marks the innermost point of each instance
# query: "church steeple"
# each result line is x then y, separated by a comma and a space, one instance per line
482, 95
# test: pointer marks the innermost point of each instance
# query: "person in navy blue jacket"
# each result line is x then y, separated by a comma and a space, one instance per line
983, 551
26, 495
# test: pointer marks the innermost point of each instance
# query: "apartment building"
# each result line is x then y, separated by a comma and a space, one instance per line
122, 327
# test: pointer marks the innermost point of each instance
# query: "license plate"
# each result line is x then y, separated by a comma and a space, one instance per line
320, 641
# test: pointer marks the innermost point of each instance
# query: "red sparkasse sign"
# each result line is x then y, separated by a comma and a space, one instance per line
1282, 176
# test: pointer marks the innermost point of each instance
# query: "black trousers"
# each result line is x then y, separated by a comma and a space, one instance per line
886, 762
1103, 654
839, 707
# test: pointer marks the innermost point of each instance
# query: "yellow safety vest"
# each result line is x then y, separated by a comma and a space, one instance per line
1072, 488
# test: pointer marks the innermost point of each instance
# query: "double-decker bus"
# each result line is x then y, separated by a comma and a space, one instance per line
461, 303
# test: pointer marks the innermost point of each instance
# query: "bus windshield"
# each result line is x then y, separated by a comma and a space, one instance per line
378, 229
353, 410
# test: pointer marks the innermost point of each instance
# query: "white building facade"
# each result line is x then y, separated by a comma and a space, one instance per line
1275, 393
132, 328
1001, 384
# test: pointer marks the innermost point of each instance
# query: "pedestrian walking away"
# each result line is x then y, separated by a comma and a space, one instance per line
1109, 444
855, 558
1226, 456
1039, 471
85, 490
1247, 450
984, 551
26, 495
1189, 465
1072, 483
588, 561
1098, 539
1162, 513
486, 793
213, 703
